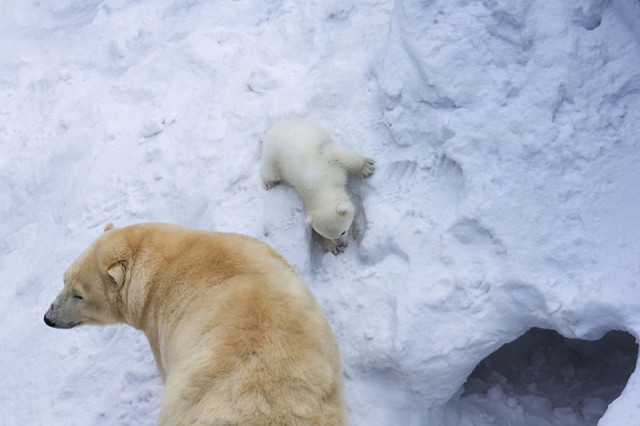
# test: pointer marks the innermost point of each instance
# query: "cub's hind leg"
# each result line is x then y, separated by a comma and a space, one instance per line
352, 161
269, 173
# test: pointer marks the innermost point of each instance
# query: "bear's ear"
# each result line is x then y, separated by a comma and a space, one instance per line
342, 209
108, 227
117, 273
308, 220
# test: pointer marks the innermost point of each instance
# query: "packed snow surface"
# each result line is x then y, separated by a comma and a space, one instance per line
506, 195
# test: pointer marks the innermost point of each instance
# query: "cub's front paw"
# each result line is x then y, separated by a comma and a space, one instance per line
335, 247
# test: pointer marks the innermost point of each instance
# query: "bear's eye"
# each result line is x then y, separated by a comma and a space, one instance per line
77, 296
343, 232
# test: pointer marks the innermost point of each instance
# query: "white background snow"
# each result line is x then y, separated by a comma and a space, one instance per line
507, 194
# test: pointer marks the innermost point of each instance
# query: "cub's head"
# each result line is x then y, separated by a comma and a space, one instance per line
333, 223
92, 284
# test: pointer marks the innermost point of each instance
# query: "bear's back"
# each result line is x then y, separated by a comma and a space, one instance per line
243, 339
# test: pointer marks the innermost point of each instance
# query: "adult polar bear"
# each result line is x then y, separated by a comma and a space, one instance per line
237, 335
303, 155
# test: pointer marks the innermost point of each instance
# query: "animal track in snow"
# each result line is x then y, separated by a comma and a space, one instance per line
470, 232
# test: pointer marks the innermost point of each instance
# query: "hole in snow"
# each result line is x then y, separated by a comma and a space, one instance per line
543, 378
589, 20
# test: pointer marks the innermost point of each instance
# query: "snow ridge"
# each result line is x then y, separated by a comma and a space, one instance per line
505, 135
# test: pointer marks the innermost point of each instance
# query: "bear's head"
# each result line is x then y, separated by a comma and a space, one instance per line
332, 223
92, 285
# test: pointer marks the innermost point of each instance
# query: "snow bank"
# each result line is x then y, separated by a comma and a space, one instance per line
505, 196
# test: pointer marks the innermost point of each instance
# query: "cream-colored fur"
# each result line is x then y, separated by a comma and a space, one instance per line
303, 155
237, 335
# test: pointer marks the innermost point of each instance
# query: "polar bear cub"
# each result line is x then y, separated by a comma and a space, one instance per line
237, 335
303, 155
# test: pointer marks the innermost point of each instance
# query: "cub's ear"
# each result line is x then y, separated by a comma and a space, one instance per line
342, 209
117, 273
108, 227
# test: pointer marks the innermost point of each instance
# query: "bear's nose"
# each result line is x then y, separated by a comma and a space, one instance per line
49, 322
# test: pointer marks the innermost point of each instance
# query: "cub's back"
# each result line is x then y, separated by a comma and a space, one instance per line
254, 349
296, 148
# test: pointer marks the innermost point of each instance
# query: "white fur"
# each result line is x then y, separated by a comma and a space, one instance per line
303, 155
237, 335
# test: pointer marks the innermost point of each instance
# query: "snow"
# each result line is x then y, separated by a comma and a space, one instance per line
506, 195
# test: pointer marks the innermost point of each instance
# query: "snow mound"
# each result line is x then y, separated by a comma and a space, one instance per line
506, 196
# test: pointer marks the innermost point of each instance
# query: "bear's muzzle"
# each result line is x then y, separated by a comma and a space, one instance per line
56, 324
